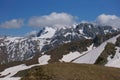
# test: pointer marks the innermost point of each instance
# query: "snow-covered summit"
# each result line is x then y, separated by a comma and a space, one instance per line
24, 48
48, 32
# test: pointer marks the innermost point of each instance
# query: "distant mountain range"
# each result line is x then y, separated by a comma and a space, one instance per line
24, 48
82, 43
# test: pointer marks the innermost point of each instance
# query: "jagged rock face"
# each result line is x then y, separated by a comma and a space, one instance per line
81, 31
24, 48
90, 30
19, 48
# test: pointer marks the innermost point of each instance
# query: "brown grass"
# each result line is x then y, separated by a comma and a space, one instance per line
70, 71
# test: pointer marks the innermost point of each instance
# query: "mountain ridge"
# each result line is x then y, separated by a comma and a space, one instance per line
24, 48
80, 44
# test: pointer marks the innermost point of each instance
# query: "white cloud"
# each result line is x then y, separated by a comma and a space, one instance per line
111, 20
53, 19
32, 33
14, 23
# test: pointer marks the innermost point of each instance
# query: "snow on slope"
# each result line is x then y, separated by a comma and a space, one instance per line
91, 56
9, 72
12, 78
115, 61
44, 59
73, 55
70, 56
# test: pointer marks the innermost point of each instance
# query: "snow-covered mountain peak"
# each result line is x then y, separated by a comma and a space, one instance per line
47, 32
22, 48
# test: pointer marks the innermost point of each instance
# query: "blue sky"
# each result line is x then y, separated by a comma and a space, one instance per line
24, 10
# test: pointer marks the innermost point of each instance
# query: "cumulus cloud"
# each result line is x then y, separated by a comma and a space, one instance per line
14, 23
111, 20
31, 34
53, 19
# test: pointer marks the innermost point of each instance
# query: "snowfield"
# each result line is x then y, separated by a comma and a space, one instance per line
92, 55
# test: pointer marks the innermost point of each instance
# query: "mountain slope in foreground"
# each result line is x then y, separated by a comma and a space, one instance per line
71, 71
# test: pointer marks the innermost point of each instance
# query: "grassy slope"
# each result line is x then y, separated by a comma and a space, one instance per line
71, 71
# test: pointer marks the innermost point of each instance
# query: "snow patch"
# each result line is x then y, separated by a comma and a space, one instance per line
87, 37
115, 61
9, 72
12, 39
70, 56
81, 31
44, 59
106, 31
90, 47
1, 44
67, 34
12, 78
89, 26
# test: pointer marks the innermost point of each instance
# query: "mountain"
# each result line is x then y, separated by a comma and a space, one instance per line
82, 43
93, 55
24, 48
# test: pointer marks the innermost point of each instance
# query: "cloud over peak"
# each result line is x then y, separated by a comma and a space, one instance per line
111, 20
14, 23
53, 19
59, 20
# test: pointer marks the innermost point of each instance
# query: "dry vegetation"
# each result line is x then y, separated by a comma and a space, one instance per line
71, 71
